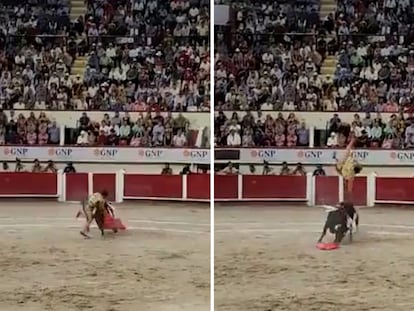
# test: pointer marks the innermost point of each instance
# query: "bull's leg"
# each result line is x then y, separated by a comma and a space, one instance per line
356, 221
340, 234
325, 229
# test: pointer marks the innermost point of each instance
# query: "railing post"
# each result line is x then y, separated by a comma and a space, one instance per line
62, 134
119, 186
240, 187
371, 189
61, 186
184, 182
310, 189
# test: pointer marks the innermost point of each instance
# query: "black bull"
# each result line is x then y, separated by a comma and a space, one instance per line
337, 222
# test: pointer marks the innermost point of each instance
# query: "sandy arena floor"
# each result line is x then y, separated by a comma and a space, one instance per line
161, 264
266, 260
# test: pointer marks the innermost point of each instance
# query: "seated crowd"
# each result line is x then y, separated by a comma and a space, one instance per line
33, 130
373, 132
145, 131
146, 55
141, 55
245, 130
148, 130
259, 68
263, 131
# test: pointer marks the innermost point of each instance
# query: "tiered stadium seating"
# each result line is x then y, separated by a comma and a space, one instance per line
104, 56
306, 56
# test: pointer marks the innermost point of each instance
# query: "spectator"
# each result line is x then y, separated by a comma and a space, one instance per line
167, 170
50, 167
299, 170
179, 140
409, 136
285, 170
19, 166
319, 171
37, 167
233, 139
54, 133
69, 168
229, 169
83, 139
267, 170
186, 170
332, 140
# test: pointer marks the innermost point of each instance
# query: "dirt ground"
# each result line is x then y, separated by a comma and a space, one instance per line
160, 264
266, 260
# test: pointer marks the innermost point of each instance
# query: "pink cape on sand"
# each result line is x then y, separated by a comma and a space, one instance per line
327, 246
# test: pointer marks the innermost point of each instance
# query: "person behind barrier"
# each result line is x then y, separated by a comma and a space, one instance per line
285, 170
69, 168
319, 171
299, 170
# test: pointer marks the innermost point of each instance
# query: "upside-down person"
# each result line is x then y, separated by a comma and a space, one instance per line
94, 209
348, 167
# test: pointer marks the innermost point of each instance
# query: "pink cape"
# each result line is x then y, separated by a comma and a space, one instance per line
111, 223
327, 246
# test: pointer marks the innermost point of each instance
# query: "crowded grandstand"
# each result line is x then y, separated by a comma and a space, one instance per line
285, 70
139, 70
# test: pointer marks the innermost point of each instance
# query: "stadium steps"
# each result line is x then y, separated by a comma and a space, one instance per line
78, 67
77, 8
328, 66
327, 7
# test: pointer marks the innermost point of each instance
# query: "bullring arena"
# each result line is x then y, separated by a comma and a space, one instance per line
160, 263
266, 259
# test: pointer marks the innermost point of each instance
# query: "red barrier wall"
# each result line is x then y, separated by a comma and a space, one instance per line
153, 186
77, 187
359, 193
323, 189
326, 190
198, 186
269, 187
28, 184
105, 181
394, 189
225, 187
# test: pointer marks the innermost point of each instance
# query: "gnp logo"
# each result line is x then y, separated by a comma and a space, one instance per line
151, 153
105, 152
60, 152
265, 154
196, 154
310, 154
16, 151
403, 156
360, 155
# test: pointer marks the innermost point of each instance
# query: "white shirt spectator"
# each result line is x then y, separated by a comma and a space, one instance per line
267, 58
83, 138
233, 139
343, 91
332, 140
267, 106
376, 132
179, 140
357, 131
234, 127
